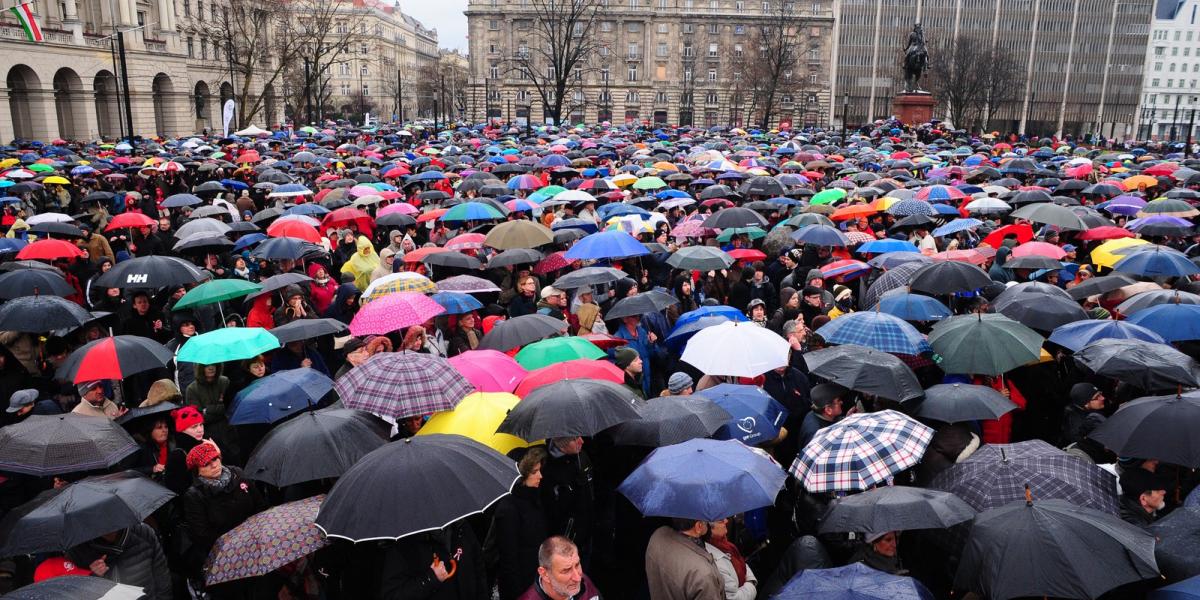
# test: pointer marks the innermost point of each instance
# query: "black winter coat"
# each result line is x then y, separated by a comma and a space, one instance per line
520, 528
406, 574
136, 559
209, 513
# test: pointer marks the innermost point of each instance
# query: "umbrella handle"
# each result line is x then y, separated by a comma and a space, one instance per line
453, 565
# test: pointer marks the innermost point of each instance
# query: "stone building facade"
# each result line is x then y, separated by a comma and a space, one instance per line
1170, 99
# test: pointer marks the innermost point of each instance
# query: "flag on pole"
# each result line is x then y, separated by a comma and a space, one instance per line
28, 21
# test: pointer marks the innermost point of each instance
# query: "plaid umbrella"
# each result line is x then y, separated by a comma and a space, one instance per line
394, 312
877, 330
894, 278
861, 451
266, 541
405, 281
997, 474
403, 384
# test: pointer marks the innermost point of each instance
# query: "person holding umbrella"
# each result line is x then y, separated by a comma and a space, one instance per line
1143, 496
455, 571
1085, 400
219, 499
132, 556
519, 527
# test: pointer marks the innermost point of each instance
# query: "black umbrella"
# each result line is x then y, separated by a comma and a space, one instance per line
437, 479
734, 217
866, 370
203, 242
1038, 306
21, 265
589, 276
574, 407
671, 420
1178, 537
566, 236
244, 227
210, 187
138, 413
914, 222
1147, 365
33, 282
39, 314
895, 508
521, 330
1052, 548
151, 272
307, 329
959, 402
761, 186
894, 278
56, 228
76, 588
44, 445
261, 217
700, 258
330, 440
395, 221
285, 248
513, 257
59, 519
949, 277
1160, 427
278, 282
453, 259
641, 304
1100, 285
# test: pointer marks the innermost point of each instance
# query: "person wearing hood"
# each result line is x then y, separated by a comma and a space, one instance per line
184, 326
387, 260
998, 272
96, 245
881, 552
208, 393
322, 288
587, 312
789, 309
396, 243
295, 306
362, 263
345, 247
345, 303
261, 314
131, 556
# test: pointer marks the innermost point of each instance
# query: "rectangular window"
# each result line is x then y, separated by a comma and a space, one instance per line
689, 28
739, 29
632, 75
660, 72
687, 51
633, 50
662, 50
712, 75
200, 10
187, 8
493, 24
345, 89
712, 50
366, 89
633, 27
662, 28
737, 50
363, 70
203, 48
190, 49
344, 68
606, 25
494, 70
740, 5
604, 74
714, 28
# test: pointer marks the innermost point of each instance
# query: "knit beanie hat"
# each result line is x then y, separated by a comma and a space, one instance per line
187, 417
201, 455
624, 356
678, 382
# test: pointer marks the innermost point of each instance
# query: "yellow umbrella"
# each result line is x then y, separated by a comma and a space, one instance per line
56, 179
1103, 255
624, 180
477, 417
1138, 180
8, 162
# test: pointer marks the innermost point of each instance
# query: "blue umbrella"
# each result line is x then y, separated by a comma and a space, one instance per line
756, 416
553, 160
956, 226
457, 303
248, 240
729, 312
1074, 336
620, 209
308, 208
1174, 322
1157, 262
703, 479
855, 581
912, 206
679, 336
606, 244
878, 330
1188, 589
11, 245
235, 185
913, 307
279, 395
586, 225
428, 176
886, 245
181, 200
821, 235
945, 210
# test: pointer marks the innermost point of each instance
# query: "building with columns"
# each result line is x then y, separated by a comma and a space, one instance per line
1170, 99
657, 61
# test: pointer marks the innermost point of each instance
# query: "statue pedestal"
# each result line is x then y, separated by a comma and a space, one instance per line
913, 108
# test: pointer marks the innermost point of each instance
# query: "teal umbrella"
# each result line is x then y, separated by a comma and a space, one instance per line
984, 344
472, 211
556, 350
217, 290
224, 345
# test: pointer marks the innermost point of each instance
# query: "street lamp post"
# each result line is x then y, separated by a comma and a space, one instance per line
845, 114
1175, 117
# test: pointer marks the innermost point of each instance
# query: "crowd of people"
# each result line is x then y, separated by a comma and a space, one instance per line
630, 246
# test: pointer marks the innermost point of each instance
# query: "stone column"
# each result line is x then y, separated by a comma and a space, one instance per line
71, 21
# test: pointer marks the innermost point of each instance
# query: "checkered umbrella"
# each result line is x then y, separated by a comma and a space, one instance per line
894, 278
404, 281
996, 475
861, 451
877, 330
403, 384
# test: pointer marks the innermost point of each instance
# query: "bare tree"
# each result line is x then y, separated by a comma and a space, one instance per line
250, 38
957, 68
769, 77
562, 39
1005, 80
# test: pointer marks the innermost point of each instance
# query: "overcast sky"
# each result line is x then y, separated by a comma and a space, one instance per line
444, 15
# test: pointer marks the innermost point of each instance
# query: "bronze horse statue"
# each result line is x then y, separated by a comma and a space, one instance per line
916, 59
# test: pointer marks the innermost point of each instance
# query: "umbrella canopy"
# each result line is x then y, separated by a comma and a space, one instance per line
1158, 427
866, 370
913, 307
1145, 300
62, 518
895, 508
307, 329
860, 451
1178, 534
266, 541
477, 417
754, 416
402, 384
404, 281
279, 395
217, 290
700, 258
1157, 262
1147, 365
1038, 306
1041, 541
997, 474
489, 370
44, 445
641, 304
606, 244
438, 478
33, 282
877, 330
589, 276
39, 314
151, 272
576, 407
671, 420
76, 588
1100, 285
736, 349
520, 233
224, 345
703, 479
555, 350
1075, 336
960, 402
114, 358
949, 277
583, 368
522, 330
986, 344
393, 312
855, 581
330, 440
1173, 322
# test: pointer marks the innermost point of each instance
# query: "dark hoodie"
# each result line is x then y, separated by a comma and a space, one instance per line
338, 310
784, 314
997, 272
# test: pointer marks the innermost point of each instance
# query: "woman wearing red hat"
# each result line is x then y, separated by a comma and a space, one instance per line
220, 498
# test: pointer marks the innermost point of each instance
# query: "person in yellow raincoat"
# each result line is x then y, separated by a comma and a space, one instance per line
362, 263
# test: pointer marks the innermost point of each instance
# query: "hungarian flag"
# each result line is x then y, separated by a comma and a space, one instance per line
28, 21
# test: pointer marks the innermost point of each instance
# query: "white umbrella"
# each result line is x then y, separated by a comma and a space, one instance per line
574, 196
251, 130
50, 217
736, 349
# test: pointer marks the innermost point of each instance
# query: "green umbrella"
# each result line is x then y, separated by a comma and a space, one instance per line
224, 345
216, 290
41, 168
472, 211
984, 344
728, 233
828, 196
649, 183
556, 350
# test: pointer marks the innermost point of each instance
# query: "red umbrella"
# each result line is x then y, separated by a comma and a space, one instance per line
115, 358
747, 254
1106, 232
129, 220
605, 341
294, 229
420, 254
49, 250
432, 215
969, 256
347, 215
1023, 232
580, 368
552, 263
1039, 249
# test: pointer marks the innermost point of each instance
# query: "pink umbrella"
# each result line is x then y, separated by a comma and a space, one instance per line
403, 208
359, 191
489, 370
1039, 249
393, 312
466, 241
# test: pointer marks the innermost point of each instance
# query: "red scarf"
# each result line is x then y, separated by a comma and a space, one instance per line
735, 556
162, 454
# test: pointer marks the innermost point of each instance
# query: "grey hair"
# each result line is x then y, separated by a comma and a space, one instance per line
555, 545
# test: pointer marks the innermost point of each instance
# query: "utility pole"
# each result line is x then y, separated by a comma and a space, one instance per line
487, 101
442, 95
845, 115
400, 93
112, 45
125, 86
307, 92
1187, 148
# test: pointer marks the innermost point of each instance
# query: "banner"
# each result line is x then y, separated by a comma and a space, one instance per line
28, 21
230, 105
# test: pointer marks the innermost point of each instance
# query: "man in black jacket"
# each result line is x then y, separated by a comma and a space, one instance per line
130, 556
444, 565
568, 493
1143, 495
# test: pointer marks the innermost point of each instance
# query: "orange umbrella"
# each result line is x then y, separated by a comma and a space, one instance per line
431, 215
853, 211
1138, 181
419, 254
